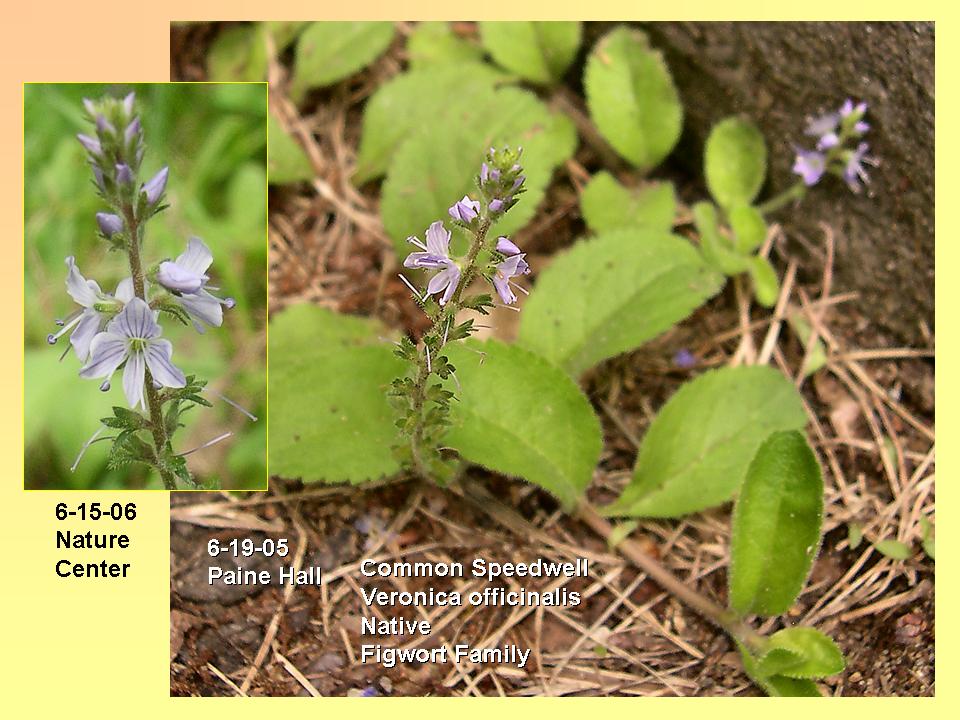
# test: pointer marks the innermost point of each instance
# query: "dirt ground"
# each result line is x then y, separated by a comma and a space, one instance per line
871, 410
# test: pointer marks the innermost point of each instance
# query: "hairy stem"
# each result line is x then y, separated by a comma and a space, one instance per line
160, 440
438, 332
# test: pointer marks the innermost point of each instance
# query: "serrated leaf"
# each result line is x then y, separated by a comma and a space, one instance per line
611, 294
766, 286
749, 227
329, 415
632, 99
539, 52
607, 205
893, 549
435, 43
776, 526
521, 416
735, 162
698, 448
238, 54
777, 685
287, 161
438, 164
431, 97
327, 52
801, 652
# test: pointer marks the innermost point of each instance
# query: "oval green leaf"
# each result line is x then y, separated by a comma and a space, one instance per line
435, 43
749, 227
632, 99
735, 161
329, 416
766, 286
519, 415
539, 52
327, 52
611, 294
802, 652
238, 54
287, 161
607, 205
698, 448
776, 526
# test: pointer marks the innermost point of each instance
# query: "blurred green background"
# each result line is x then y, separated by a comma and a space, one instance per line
213, 137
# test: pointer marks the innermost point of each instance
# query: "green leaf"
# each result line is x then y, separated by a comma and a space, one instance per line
284, 32
288, 161
717, 249
329, 416
435, 43
697, 450
818, 354
327, 52
439, 163
431, 98
749, 227
521, 416
854, 535
801, 652
893, 549
776, 526
766, 286
539, 52
777, 685
238, 54
735, 162
928, 540
632, 99
611, 294
607, 205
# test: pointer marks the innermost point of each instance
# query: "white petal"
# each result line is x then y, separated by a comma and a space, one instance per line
124, 291
136, 320
174, 276
133, 380
203, 306
158, 360
107, 352
438, 239
84, 292
87, 329
196, 258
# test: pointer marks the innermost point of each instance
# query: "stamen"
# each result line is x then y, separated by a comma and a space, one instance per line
64, 353
414, 241
233, 404
456, 381
65, 327
207, 444
51, 339
58, 322
229, 303
88, 443
105, 385
509, 307
446, 330
416, 293
429, 368
521, 289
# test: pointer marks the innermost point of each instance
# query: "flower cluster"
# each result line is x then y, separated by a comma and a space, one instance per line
421, 401
836, 134
110, 332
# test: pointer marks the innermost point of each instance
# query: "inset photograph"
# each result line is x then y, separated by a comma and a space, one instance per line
145, 286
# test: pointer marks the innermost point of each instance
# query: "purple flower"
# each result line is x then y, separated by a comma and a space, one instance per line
810, 166
509, 268
91, 144
187, 275
133, 337
465, 210
496, 205
853, 172
105, 126
822, 125
684, 359
128, 104
484, 173
828, 141
98, 177
155, 186
436, 256
857, 111
109, 223
132, 131
506, 247
96, 308
124, 174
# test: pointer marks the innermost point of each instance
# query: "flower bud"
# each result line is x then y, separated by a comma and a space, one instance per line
506, 247
496, 205
128, 105
124, 174
465, 210
132, 131
109, 224
155, 186
104, 126
92, 145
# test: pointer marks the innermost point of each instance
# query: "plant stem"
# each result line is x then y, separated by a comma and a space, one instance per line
726, 619
791, 194
160, 440
437, 330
